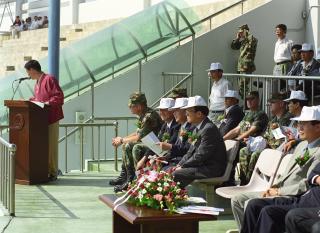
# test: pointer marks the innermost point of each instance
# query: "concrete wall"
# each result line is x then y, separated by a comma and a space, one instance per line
313, 22
111, 98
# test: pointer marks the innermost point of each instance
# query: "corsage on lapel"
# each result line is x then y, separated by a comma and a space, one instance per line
302, 159
192, 138
165, 137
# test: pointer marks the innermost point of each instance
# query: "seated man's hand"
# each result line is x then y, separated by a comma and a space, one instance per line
176, 168
164, 145
289, 145
117, 141
271, 192
141, 163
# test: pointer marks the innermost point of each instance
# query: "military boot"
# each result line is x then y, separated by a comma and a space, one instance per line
122, 178
123, 187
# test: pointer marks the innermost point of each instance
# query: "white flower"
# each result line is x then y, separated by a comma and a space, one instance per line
159, 189
144, 191
140, 195
159, 184
147, 184
165, 184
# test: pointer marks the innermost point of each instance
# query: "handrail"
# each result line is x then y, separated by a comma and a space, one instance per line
217, 13
73, 131
168, 92
81, 126
7, 175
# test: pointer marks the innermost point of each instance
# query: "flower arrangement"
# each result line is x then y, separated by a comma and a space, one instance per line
301, 160
156, 189
165, 137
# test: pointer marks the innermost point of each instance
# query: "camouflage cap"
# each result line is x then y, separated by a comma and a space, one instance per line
243, 27
137, 98
252, 94
178, 93
277, 96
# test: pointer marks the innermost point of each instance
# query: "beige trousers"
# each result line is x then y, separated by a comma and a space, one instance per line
53, 148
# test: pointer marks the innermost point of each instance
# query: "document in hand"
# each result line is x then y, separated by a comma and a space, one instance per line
151, 141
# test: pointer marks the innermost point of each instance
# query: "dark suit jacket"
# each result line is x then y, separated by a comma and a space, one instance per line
208, 154
180, 147
232, 119
315, 171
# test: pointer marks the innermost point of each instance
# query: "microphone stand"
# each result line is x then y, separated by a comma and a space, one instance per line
15, 89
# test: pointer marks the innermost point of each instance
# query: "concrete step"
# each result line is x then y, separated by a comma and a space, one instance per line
93, 165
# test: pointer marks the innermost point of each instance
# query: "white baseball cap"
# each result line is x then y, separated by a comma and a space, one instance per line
195, 101
232, 94
166, 103
306, 47
215, 66
180, 102
309, 114
296, 95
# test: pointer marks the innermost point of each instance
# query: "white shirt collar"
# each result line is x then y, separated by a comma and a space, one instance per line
169, 124
199, 125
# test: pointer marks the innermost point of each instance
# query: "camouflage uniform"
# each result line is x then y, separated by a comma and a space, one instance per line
260, 120
148, 122
247, 47
248, 159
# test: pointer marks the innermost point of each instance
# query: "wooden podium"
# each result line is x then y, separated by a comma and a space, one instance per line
28, 124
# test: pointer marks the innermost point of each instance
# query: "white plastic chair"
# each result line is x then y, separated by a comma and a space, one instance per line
208, 184
282, 167
261, 178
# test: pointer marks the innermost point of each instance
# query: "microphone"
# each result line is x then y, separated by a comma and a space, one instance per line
21, 79
15, 89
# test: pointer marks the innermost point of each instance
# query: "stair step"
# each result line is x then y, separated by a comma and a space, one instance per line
62, 39
44, 48
92, 165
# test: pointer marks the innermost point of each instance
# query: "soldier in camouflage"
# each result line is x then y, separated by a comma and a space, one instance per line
247, 44
253, 124
281, 117
148, 120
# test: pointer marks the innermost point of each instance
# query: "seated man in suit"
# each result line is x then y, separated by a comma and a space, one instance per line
291, 182
206, 156
168, 132
268, 214
233, 113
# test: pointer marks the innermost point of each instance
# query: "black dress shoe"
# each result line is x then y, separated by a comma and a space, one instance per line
121, 187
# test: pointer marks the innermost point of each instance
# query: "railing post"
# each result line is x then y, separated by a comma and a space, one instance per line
12, 181
140, 75
81, 149
98, 148
192, 64
115, 148
66, 148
